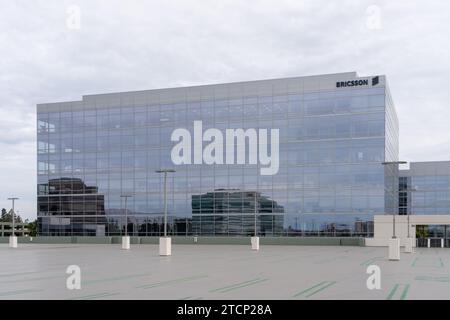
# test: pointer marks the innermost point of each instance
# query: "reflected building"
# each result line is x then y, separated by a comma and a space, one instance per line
228, 212
69, 207
364, 228
334, 132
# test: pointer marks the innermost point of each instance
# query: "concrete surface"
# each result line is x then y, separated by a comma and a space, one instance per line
38, 271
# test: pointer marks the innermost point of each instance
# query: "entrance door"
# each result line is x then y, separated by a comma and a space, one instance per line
434, 234
422, 236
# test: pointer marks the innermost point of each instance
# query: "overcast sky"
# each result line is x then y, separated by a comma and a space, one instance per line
136, 45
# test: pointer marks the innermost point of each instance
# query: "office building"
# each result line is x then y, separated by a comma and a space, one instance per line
334, 131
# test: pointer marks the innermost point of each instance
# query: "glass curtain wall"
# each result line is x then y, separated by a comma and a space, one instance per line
330, 181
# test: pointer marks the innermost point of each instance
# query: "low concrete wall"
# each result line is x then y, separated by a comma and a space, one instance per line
361, 242
151, 240
51, 240
305, 241
300, 241
94, 240
383, 242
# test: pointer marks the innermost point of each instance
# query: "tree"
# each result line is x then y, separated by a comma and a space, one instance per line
6, 216
32, 227
17, 217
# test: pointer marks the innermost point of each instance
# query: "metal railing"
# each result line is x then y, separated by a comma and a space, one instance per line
433, 242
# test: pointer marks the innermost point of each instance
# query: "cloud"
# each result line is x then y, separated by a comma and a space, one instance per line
137, 45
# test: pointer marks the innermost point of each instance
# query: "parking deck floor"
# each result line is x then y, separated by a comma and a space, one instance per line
38, 271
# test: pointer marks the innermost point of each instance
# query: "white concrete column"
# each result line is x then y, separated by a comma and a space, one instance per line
255, 243
126, 242
442, 242
165, 246
394, 249
409, 243
12, 241
429, 243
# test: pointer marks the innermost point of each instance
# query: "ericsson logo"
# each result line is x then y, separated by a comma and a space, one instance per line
375, 80
356, 83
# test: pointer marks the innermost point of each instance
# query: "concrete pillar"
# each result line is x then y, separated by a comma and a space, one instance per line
409, 243
165, 246
12, 241
429, 243
255, 243
442, 243
394, 249
126, 242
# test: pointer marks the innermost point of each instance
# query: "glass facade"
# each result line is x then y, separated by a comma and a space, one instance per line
425, 188
330, 179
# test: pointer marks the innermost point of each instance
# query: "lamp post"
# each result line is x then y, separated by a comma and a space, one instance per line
12, 237
165, 243
409, 240
126, 238
255, 239
394, 243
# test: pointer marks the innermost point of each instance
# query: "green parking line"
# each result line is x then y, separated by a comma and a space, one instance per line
370, 261
244, 285
162, 283
11, 293
94, 296
319, 287
391, 294
131, 276
394, 290
310, 288
235, 285
437, 279
32, 279
435, 263
19, 274
405, 292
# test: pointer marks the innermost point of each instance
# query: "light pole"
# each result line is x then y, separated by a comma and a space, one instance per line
409, 241
255, 210
165, 243
13, 238
126, 238
255, 239
394, 243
